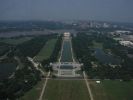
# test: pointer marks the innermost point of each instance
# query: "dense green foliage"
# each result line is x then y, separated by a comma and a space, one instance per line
46, 51
54, 55
7, 67
83, 48
33, 46
22, 80
4, 48
26, 75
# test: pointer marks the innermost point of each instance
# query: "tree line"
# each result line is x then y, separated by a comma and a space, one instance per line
82, 45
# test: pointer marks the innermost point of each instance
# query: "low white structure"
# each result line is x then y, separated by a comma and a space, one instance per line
122, 31
61, 71
126, 43
119, 32
98, 82
67, 35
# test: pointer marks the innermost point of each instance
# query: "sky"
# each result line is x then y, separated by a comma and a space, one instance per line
103, 10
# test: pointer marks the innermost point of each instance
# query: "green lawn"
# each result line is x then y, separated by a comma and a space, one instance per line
46, 51
16, 41
97, 45
117, 39
34, 93
66, 90
112, 90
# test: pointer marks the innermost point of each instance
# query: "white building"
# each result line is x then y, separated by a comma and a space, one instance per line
122, 31
67, 35
126, 43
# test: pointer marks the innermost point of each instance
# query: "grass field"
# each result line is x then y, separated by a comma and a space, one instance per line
34, 93
117, 39
97, 45
16, 41
46, 51
66, 90
112, 90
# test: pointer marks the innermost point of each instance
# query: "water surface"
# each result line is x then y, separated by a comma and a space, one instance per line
106, 58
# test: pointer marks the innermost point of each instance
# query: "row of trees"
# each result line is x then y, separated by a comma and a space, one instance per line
81, 45
54, 55
33, 46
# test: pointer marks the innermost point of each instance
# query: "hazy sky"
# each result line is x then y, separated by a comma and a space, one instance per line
108, 10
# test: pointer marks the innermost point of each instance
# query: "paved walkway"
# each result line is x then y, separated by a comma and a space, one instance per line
35, 65
88, 87
44, 87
